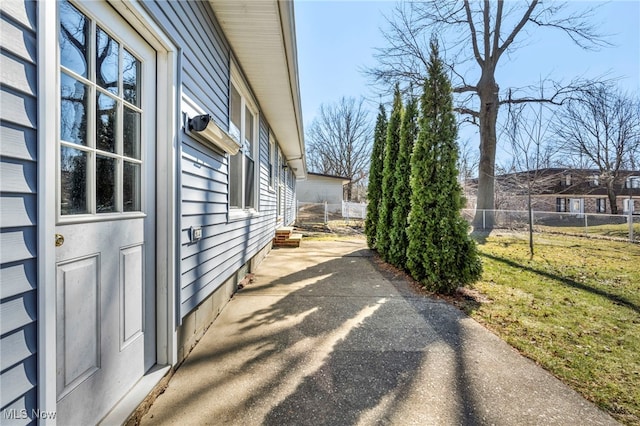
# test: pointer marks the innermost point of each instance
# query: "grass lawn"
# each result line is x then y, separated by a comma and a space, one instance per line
574, 309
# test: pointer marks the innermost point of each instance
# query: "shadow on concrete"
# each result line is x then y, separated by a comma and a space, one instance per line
341, 341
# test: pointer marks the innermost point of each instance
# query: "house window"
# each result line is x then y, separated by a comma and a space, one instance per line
601, 205
567, 180
595, 180
561, 205
242, 126
633, 182
281, 187
272, 156
629, 204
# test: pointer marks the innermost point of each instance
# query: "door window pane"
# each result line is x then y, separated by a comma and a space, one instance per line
73, 110
131, 78
106, 119
131, 187
105, 184
131, 133
74, 33
73, 181
107, 61
100, 119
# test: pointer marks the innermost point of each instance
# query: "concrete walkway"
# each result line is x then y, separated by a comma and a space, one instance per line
321, 337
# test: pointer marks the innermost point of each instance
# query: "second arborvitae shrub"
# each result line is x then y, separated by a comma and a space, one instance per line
441, 254
402, 190
388, 176
374, 192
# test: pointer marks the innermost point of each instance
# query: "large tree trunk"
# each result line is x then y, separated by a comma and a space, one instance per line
488, 93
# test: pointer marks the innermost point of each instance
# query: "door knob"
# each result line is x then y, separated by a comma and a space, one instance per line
59, 240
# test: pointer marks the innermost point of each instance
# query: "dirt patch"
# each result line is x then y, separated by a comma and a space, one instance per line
330, 229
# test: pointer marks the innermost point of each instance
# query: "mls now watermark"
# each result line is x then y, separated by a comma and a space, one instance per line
15, 414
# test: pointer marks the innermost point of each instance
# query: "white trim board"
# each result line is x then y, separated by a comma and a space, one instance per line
47, 35
168, 124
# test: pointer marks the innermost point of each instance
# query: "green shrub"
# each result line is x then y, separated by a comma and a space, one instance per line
388, 176
402, 190
441, 255
374, 192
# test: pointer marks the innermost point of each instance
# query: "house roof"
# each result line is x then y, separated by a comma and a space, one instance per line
262, 36
345, 180
551, 181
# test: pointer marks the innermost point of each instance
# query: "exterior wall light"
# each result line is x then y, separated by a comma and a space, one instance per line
206, 127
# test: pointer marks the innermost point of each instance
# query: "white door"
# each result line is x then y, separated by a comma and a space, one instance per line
629, 204
576, 205
105, 252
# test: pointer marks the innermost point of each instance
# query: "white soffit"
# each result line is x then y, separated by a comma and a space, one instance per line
262, 36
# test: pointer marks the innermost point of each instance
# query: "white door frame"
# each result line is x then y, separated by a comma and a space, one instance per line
168, 84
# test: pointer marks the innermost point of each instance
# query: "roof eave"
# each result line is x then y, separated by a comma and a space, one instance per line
262, 36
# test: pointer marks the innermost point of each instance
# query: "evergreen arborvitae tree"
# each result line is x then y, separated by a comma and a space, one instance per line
374, 192
388, 176
441, 254
402, 190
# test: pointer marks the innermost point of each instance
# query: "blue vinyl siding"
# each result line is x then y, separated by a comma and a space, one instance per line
18, 207
226, 245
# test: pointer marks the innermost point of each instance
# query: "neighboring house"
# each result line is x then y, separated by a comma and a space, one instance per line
566, 190
126, 224
319, 188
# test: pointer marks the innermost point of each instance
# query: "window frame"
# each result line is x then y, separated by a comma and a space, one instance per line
272, 162
251, 153
281, 189
632, 182
567, 179
601, 205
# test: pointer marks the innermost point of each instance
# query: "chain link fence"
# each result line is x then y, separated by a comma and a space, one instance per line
329, 216
605, 225
326, 216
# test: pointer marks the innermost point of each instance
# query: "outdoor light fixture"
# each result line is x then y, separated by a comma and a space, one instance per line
205, 126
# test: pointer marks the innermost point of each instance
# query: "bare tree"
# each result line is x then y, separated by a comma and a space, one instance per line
529, 133
602, 130
339, 141
476, 36
468, 168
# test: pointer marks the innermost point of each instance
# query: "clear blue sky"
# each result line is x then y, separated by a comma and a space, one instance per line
336, 40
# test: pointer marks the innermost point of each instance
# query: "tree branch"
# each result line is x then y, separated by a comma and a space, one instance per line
474, 35
517, 28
